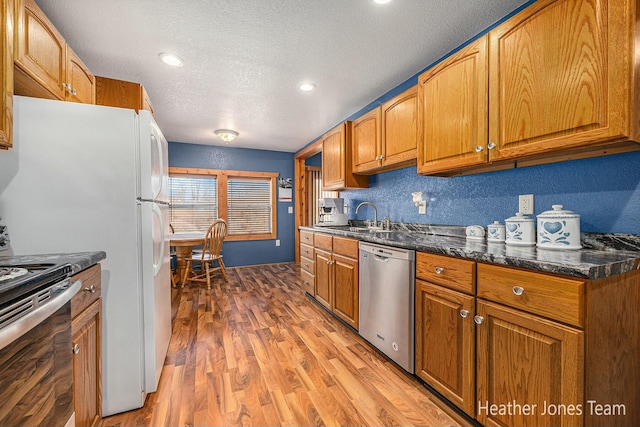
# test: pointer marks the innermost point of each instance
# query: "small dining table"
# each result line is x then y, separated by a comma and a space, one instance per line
184, 243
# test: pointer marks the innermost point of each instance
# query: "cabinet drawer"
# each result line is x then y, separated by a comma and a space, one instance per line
308, 281
306, 251
306, 237
553, 297
345, 246
308, 265
453, 273
323, 241
89, 292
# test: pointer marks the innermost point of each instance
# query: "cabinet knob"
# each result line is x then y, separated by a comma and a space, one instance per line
382, 157
478, 319
91, 289
518, 290
439, 270
491, 145
464, 313
305, 282
75, 349
479, 148
329, 262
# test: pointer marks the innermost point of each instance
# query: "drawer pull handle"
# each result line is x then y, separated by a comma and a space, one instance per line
518, 290
439, 270
75, 349
306, 265
478, 319
91, 289
305, 282
464, 313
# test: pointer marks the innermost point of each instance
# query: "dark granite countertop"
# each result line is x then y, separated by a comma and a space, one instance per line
78, 260
602, 255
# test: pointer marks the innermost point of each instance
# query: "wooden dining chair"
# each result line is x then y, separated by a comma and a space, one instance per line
210, 255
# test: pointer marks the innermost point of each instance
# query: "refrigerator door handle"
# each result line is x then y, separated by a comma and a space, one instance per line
157, 263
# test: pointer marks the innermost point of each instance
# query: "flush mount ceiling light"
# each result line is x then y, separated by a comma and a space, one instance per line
227, 135
307, 87
172, 60
381, 1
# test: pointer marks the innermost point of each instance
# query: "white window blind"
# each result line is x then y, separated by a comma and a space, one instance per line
194, 202
249, 205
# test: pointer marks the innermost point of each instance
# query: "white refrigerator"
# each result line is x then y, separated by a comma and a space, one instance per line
93, 178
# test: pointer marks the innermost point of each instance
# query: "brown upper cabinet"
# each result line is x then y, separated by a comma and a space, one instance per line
45, 66
534, 91
336, 160
367, 141
6, 81
385, 138
123, 94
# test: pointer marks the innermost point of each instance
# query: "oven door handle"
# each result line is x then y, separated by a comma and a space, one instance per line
15, 330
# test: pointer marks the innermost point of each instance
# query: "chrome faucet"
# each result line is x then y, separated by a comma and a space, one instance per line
375, 211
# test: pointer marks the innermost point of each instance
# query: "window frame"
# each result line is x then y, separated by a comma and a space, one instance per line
222, 177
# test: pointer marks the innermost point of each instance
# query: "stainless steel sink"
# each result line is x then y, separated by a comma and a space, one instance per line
368, 230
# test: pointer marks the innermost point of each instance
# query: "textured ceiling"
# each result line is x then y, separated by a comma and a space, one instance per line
243, 59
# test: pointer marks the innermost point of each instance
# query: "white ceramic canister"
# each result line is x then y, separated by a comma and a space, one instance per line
496, 232
559, 229
475, 232
520, 230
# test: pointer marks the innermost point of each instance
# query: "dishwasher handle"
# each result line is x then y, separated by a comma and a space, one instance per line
381, 258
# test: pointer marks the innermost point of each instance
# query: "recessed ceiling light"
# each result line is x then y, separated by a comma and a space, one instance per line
307, 87
172, 60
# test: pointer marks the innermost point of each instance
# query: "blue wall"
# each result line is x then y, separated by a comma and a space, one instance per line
212, 157
605, 191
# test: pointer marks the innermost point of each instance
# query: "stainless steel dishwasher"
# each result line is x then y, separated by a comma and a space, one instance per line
387, 283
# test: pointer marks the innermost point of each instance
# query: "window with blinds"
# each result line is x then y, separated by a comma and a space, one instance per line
246, 200
249, 205
194, 202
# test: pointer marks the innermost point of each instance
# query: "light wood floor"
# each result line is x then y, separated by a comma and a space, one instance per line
256, 351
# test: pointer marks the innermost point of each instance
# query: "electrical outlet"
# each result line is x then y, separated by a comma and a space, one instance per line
525, 204
278, 242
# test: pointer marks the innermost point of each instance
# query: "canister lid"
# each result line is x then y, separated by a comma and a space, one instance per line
520, 217
557, 212
496, 224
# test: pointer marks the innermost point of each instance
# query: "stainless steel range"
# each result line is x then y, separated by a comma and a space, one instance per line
36, 364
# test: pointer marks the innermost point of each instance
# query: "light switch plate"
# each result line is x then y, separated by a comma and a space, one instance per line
422, 207
278, 242
290, 209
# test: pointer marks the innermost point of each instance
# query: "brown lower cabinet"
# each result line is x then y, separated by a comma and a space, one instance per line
336, 276
86, 312
513, 347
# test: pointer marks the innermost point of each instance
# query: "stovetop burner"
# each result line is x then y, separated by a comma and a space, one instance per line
8, 273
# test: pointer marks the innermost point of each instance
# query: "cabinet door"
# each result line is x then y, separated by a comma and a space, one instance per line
324, 277
366, 133
6, 81
523, 360
560, 76
40, 53
81, 81
445, 343
333, 158
400, 129
346, 290
452, 109
86, 366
